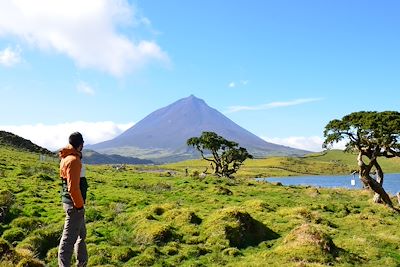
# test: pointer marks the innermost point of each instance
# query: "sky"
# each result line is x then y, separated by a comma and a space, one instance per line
281, 69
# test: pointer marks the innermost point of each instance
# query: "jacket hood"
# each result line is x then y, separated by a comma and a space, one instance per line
69, 150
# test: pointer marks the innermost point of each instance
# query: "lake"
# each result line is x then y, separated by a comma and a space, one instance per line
391, 182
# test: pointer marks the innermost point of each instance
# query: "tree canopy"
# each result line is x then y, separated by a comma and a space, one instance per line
372, 135
227, 156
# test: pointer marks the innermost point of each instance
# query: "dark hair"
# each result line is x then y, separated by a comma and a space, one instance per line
76, 139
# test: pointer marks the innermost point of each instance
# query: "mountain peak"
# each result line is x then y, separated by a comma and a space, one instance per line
192, 99
166, 130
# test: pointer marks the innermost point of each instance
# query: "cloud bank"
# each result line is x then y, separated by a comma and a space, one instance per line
56, 136
86, 31
271, 105
310, 143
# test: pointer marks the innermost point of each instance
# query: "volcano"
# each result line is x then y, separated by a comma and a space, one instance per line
161, 136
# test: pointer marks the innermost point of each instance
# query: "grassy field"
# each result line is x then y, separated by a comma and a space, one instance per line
332, 162
143, 216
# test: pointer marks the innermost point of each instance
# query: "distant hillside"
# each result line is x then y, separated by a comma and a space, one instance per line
331, 162
92, 157
15, 141
162, 135
391, 165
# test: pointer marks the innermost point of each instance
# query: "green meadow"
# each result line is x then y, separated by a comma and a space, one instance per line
332, 162
158, 216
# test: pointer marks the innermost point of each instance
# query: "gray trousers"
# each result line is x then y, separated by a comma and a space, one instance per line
73, 237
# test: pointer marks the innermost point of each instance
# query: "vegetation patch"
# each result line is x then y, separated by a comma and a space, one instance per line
308, 243
14, 234
142, 219
148, 232
234, 227
42, 240
182, 217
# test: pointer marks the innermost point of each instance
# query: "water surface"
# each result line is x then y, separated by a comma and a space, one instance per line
391, 182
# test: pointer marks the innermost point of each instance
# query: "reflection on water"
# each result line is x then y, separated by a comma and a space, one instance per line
391, 182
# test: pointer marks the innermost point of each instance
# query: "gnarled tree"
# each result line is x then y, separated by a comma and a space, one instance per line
372, 135
227, 156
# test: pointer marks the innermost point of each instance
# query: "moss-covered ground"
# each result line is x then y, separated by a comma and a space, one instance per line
143, 216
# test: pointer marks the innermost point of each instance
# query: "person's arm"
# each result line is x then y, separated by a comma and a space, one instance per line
73, 176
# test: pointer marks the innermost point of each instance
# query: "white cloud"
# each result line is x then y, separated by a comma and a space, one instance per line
55, 136
86, 31
10, 56
240, 83
271, 105
310, 143
85, 88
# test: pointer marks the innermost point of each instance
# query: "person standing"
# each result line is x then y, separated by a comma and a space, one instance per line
73, 198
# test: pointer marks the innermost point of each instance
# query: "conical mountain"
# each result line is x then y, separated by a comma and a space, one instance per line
163, 133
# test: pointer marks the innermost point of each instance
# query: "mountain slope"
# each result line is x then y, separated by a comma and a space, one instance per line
93, 157
164, 132
15, 141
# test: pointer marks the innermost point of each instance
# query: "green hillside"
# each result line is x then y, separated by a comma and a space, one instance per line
333, 162
15, 141
141, 217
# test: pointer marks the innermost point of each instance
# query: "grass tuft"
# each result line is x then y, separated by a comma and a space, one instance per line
234, 227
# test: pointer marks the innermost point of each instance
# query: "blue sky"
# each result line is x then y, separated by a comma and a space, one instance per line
281, 69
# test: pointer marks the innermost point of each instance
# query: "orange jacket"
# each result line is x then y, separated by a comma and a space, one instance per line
70, 170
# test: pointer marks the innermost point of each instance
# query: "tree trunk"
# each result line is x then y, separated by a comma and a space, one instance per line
379, 179
368, 181
377, 188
